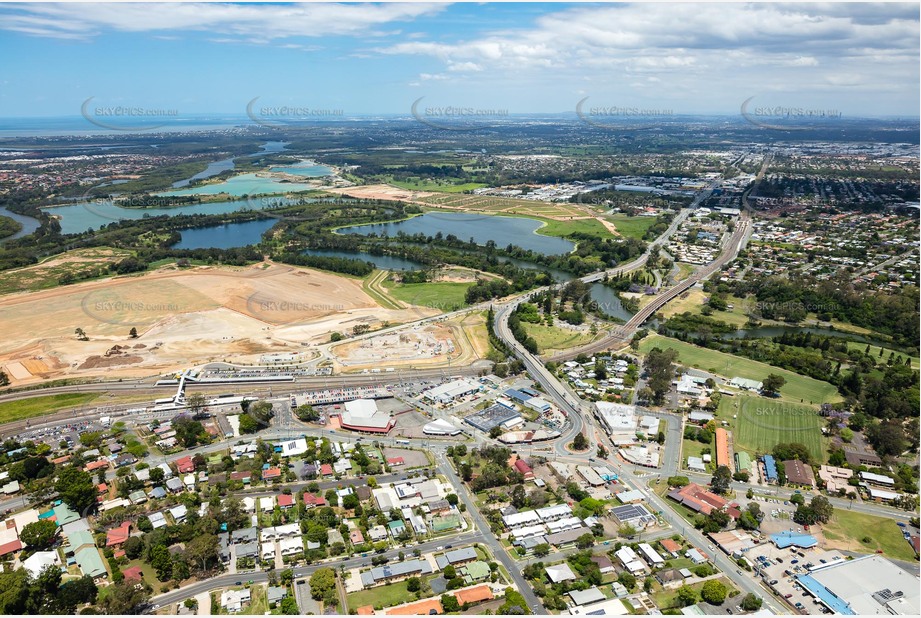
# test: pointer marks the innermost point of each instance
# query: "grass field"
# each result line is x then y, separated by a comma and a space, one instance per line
631, 227
436, 186
668, 599
442, 295
800, 389
48, 274
552, 338
380, 596
36, 406
846, 529
761, 423
562, 229
874, 352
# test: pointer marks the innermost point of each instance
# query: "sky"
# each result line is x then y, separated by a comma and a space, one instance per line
859, 60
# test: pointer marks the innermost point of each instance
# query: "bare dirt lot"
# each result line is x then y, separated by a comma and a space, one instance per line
382, 192
184, 317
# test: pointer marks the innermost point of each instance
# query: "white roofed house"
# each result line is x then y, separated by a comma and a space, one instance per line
630, 560
651, 556
560, 573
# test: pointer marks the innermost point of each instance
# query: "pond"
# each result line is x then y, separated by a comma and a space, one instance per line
503, 231
224, 236
384, 262
29, 224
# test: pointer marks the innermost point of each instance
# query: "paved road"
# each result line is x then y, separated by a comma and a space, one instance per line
230, 579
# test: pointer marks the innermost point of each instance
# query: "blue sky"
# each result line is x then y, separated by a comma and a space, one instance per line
857, 59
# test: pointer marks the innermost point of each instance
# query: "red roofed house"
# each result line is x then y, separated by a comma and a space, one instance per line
102, 488
312, 500
96, 465
285, 501
184, 465
474, 595
365, 610
9, 538
133, 574
697, 498
240, 476
670, 546
117, 536
356, 537
395, 461
525, 469
271, 473
326, 470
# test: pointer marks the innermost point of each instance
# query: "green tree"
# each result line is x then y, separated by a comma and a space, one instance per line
772, 384
289, 607
713, 592
307, 413
686, 596
123, 598
76, 488
161, 561
413, 584
322, 582
39, 534
751, 602
580, 443
449, 603
722, 480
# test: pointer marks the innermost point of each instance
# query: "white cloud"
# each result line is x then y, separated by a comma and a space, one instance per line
270, 21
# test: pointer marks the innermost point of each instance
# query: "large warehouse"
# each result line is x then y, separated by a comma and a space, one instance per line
362, 415
455, 389
869, 585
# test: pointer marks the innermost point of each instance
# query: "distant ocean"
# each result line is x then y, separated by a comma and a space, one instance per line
79, 126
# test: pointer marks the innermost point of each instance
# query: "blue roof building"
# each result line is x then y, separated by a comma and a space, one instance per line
784, 540
770, 467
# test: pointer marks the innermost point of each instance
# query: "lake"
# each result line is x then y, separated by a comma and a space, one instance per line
213, 169
244, 184
29, 224
502, 230
384, 262
306, 168
80, 217
224, 236
608, 301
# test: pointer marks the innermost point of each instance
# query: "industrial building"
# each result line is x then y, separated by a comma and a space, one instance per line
362, 415
869, 585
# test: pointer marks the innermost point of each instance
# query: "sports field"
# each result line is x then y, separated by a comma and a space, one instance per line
442, 295
798, 389
631, 227
553, 338
761, 423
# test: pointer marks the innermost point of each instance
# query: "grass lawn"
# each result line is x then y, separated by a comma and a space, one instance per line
797, 388
761, 423
592, 227
554, 338
846, 529
631, 227
36, 406
380, 596
440, 187
47, 273
693, 448
259, 603
444, 296
668, 599
874, 352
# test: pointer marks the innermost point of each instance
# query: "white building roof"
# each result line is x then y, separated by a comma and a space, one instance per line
560, 573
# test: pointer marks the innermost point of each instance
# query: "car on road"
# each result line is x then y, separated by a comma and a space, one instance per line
787, 596
794, 562
901, 524
238, 583
773, 582
739, 571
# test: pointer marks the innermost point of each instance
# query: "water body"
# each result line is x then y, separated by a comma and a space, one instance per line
213, 169
608, 301
224, 236
244, 184
502, 230
81, 217
306, 168
269, 147
29, 224
384, 262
